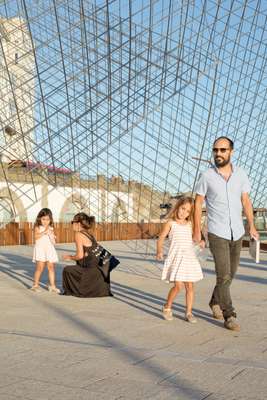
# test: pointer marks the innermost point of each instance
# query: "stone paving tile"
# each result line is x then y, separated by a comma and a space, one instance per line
36, 390
124, 388
178, 394
246, 363
248, 382
7, 380
229, 396
76, 375
252, 352
154, 368
8, 396
122, 343
205, 376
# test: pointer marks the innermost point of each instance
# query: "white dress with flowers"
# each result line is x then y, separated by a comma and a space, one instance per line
181, 263
44, 249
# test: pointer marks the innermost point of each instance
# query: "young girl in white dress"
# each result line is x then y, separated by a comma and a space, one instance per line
44, 252
181, 266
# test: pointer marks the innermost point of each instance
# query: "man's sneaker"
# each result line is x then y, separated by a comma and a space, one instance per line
167, 313
216, 311
231, 324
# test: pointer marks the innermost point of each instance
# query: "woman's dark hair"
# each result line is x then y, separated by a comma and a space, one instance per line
43, 213
231, 143
87, 222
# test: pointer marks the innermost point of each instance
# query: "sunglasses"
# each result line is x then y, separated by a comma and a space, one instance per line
220, 149
74, 222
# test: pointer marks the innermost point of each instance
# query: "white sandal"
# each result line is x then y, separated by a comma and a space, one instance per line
190, 318
54, 290
35, 289
167, 313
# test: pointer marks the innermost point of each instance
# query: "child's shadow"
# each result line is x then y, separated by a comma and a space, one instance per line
22, 269
152, 304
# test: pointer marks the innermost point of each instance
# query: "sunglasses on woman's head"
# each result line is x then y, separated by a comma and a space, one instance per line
74, 222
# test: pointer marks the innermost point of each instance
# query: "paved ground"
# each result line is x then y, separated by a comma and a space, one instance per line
56, 347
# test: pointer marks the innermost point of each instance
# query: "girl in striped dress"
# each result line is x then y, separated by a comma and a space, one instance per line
181, 266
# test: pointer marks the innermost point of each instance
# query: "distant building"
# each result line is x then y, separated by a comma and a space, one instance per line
27, 186
109, 200
16, 91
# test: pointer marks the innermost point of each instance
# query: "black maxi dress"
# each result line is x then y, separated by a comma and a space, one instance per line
85, 279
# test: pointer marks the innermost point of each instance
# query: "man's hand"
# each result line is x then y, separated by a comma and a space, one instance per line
248, 209
253, 233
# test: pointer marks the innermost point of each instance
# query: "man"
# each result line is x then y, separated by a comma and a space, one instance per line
225, 188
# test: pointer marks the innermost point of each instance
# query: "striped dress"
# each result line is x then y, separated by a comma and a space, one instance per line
181, 263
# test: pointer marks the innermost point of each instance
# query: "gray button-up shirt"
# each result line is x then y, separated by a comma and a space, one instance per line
223, 201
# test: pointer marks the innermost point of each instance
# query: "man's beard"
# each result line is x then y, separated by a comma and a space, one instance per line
221, 163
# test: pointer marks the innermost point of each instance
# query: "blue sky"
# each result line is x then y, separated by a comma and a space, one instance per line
198, 73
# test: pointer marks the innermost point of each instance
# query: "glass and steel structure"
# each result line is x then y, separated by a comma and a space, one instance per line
136, 89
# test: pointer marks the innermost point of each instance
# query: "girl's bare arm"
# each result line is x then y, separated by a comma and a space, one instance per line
162, 236
38, 234
79, 241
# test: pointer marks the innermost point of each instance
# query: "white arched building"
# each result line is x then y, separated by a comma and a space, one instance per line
109, 200
22, 201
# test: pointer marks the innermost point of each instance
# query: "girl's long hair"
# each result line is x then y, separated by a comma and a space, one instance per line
173, 214
43, 213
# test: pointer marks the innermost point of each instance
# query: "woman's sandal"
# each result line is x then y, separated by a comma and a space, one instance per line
167, 313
